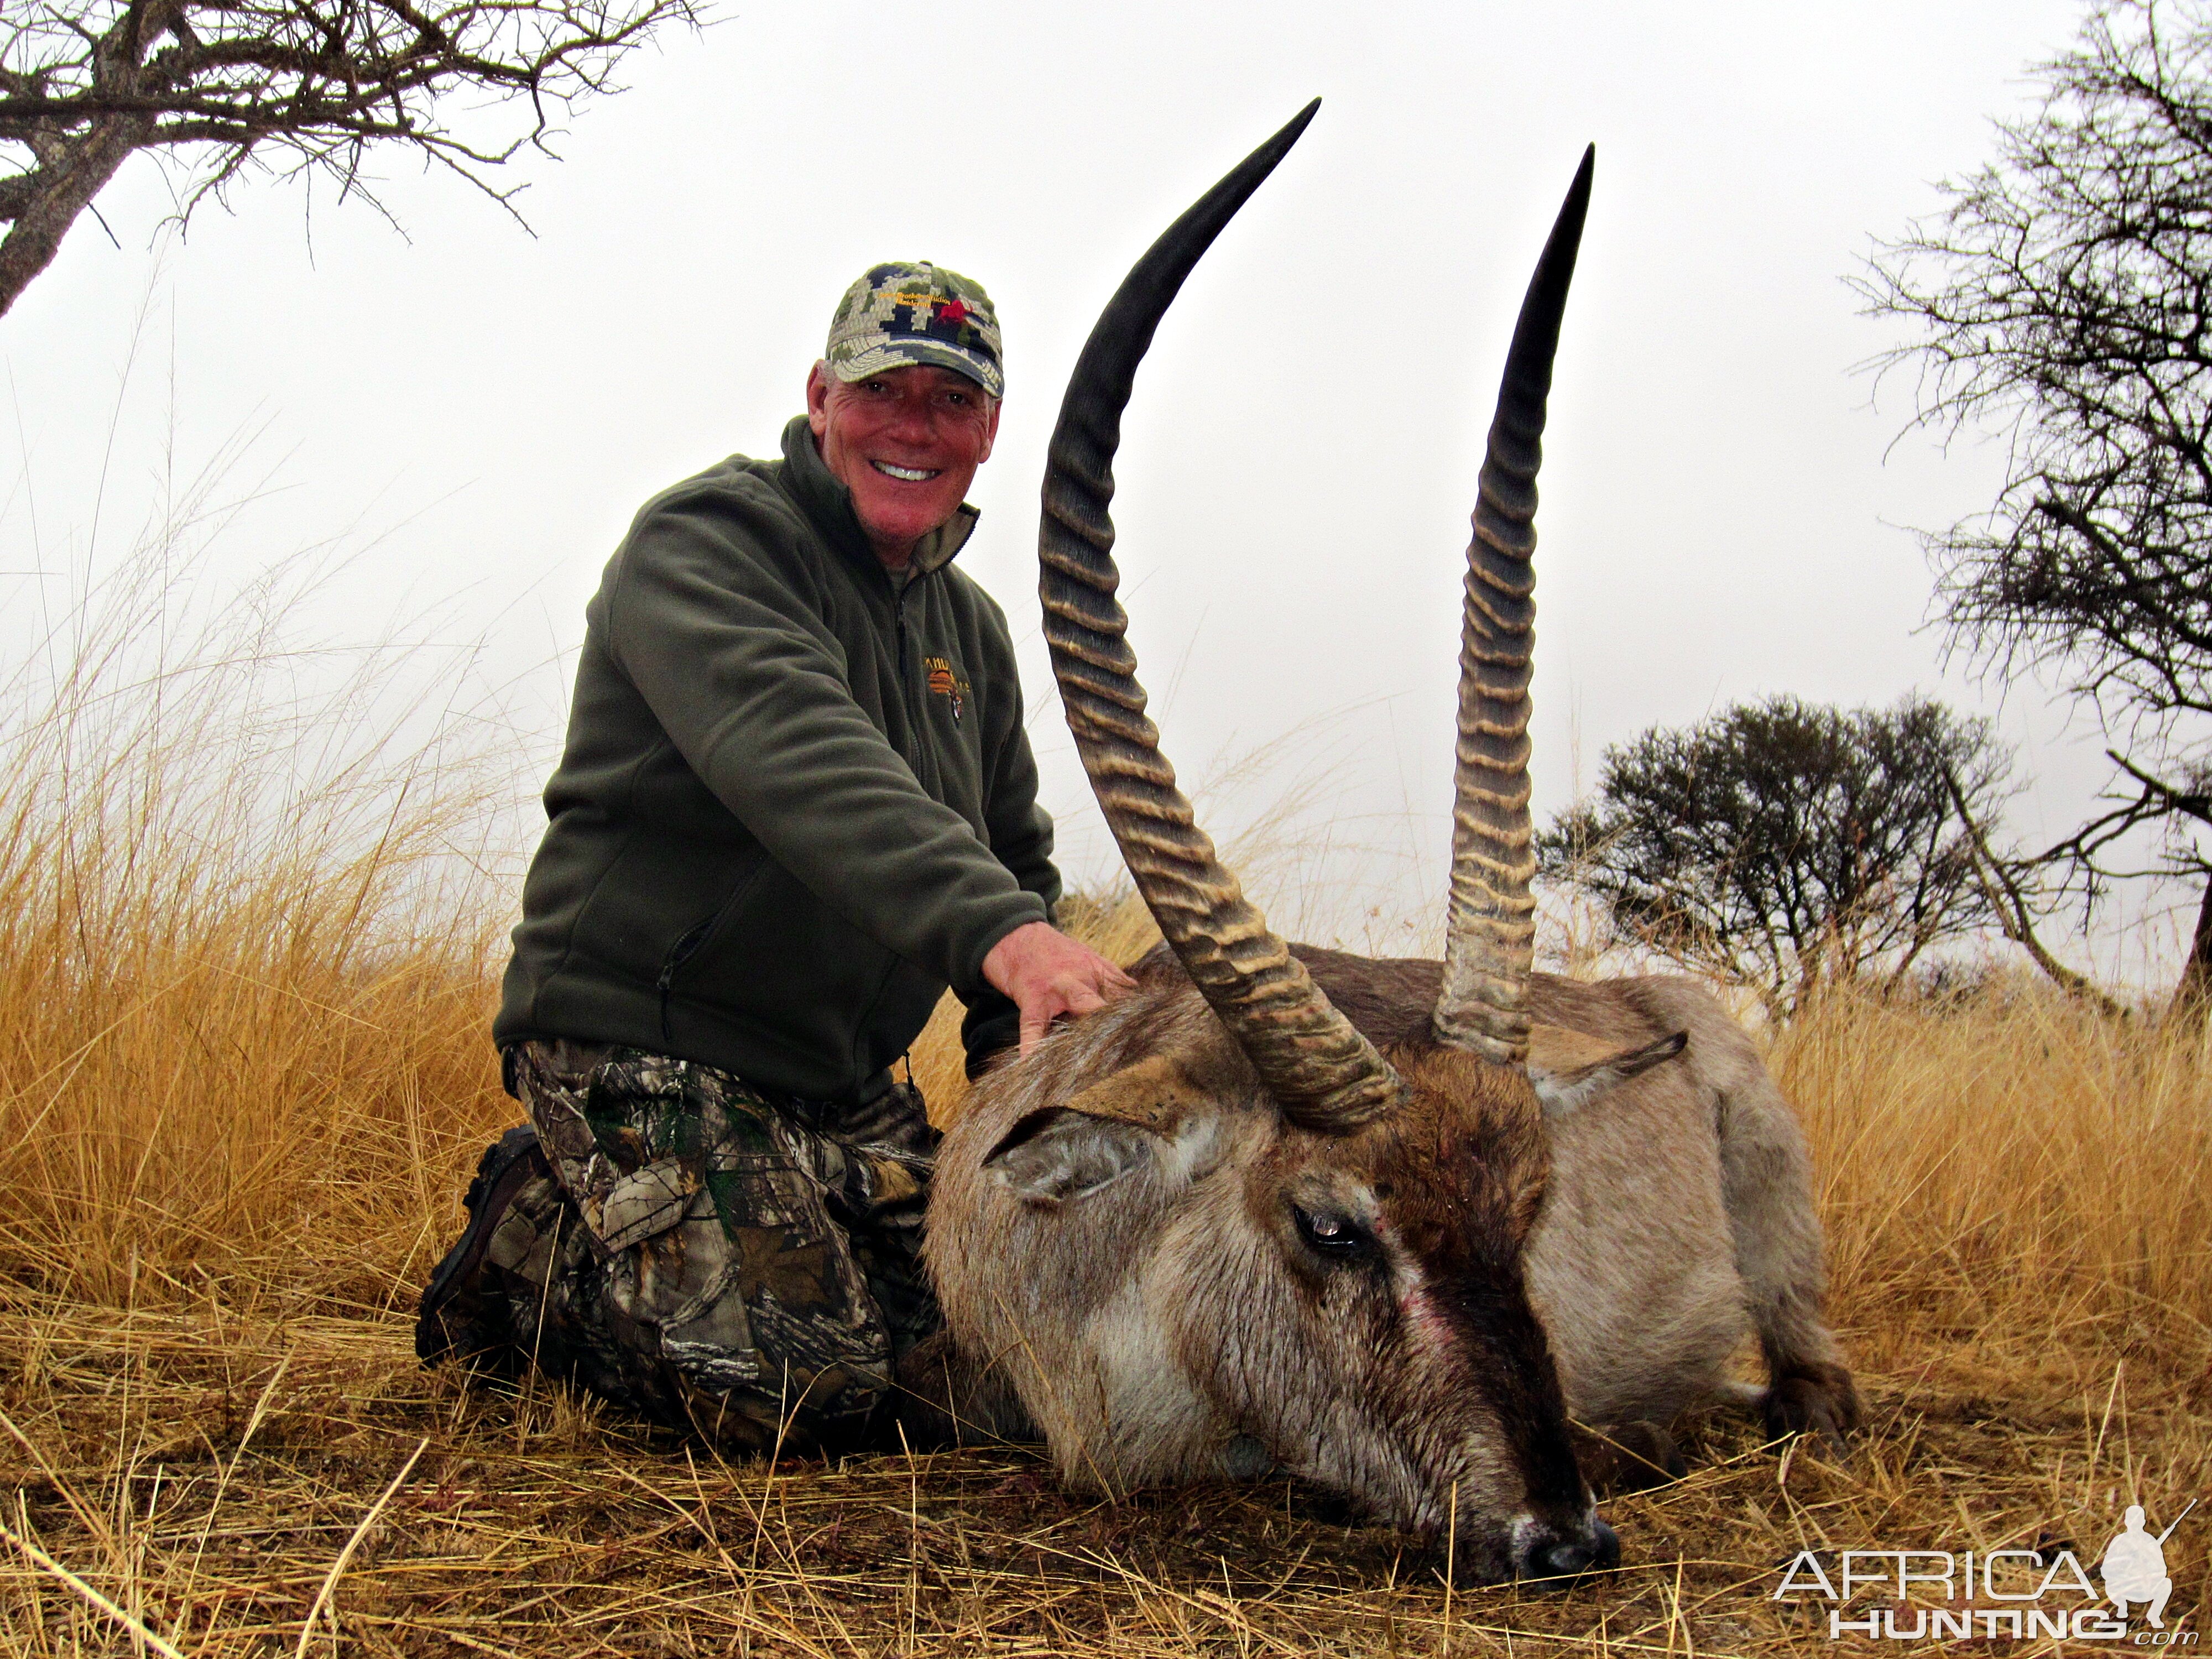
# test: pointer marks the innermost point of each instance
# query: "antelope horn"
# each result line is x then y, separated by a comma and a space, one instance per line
1490, 935
1322, 1072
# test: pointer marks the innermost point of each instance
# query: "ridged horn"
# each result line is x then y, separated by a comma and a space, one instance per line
1491, 926
1320, 1072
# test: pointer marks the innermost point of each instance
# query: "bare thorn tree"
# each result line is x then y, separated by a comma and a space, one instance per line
294, 88
2064, 299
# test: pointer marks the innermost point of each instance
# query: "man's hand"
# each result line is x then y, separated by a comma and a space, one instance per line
1048, 975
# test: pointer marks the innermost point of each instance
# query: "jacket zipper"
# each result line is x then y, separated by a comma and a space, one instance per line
916, 713
694, 937
679, 953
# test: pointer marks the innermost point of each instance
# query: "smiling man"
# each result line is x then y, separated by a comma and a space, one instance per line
797, 803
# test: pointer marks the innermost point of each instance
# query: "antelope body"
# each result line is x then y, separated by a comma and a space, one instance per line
1385, 1224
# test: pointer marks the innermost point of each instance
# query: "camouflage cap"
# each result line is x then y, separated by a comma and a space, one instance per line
902, 313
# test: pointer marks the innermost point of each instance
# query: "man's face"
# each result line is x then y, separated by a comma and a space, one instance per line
906, 442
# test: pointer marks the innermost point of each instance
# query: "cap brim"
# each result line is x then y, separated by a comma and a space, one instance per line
882, 356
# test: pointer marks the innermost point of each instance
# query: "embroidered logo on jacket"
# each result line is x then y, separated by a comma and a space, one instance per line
946, 683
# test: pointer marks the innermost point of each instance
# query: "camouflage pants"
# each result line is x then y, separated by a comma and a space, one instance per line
720, 1259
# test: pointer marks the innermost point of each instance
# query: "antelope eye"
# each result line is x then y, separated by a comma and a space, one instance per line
1336, 1236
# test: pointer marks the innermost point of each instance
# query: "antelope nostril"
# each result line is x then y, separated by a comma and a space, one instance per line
1595, 1545
1565, 1558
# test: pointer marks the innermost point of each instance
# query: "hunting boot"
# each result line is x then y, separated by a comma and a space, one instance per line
468, 1308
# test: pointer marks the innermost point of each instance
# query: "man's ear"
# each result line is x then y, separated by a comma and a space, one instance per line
990, 428
1568, 1069
817, 398
1111, 1129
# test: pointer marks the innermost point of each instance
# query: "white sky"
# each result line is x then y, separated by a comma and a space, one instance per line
1723, 517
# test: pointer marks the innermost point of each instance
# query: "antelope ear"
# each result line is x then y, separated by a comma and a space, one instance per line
1154, 1094
1110, 1130
1569, 1069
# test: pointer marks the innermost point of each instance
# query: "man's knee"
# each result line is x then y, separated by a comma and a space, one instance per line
748, 1291
703, 1258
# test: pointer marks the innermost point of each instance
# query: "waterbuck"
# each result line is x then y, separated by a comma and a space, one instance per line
1386, 1225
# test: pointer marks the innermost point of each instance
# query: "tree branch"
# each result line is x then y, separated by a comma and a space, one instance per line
2009, 905
314, 83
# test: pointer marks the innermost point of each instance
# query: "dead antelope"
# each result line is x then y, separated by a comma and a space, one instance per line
1387, 1225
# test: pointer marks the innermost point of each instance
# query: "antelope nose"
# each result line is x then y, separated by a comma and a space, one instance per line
1594, 1545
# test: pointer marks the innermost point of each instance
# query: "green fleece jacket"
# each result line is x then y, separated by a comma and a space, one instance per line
797, 800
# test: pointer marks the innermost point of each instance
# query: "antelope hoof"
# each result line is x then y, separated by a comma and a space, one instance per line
1814, 1399
1631, 1457
943, 1400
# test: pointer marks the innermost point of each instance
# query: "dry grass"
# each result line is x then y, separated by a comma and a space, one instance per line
243, 1077
2016, 1191
245, 949
204, 1465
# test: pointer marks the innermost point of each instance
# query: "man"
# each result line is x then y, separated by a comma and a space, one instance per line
797, 802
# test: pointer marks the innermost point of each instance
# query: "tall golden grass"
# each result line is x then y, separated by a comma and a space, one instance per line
2017, 1175
245, 936
249, 942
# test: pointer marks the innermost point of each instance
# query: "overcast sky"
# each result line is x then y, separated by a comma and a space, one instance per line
1723, 513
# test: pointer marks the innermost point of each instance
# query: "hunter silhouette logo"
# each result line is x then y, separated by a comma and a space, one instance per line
2134, 1566
944, 682
1936, 1595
